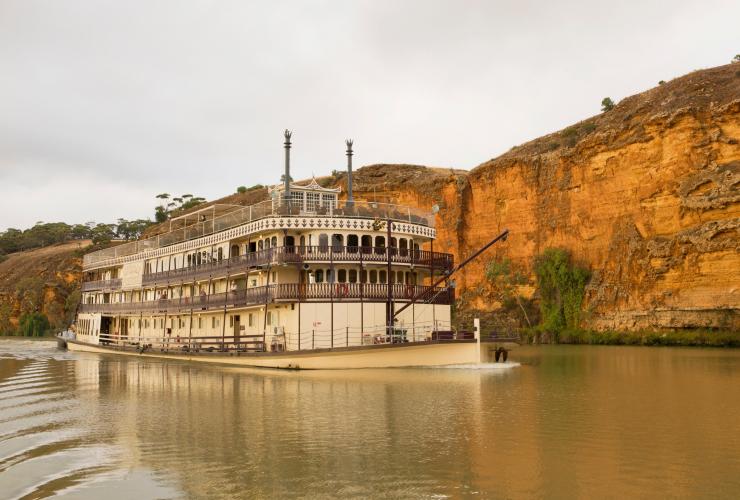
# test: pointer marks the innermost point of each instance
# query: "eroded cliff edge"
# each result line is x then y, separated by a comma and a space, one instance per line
646, 196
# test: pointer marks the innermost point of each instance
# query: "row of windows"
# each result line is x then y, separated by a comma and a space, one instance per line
365, 276
180, 323
337, 240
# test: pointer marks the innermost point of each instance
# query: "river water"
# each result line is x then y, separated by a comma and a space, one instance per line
553, 422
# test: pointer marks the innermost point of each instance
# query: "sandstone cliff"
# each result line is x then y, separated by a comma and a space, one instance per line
646, 196
45, 279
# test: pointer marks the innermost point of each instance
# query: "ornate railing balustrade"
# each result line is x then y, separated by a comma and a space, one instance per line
268, 208
113, 284
290, 292
302, 254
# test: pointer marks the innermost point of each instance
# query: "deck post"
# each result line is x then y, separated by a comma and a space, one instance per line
389, 303
331, 290
476, 332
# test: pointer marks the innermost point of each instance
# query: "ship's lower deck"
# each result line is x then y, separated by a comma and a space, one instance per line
409, 354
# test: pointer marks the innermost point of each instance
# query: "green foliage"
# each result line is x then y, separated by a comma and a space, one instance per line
736, 59
131, 229
688, 337
562, 285
45, 234
179, 203
607, 104
102, 233
661, 82
282, 178
34, 324
160, 213
70, 305
241, 189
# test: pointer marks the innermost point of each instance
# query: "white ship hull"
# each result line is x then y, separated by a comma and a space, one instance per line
412, 354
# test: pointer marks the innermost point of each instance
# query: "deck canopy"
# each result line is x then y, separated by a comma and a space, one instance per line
201, 215
307, 198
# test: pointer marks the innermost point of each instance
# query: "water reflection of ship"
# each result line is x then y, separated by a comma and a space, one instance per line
214, 429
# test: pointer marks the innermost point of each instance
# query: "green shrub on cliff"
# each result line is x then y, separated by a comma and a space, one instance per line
561, 285
33, 324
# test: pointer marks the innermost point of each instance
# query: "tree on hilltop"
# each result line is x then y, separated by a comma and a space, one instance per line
607, 104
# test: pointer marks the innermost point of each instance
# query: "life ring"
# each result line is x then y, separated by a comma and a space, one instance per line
342, 290
409, 291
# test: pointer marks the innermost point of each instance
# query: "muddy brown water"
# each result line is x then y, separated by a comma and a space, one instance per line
554, 422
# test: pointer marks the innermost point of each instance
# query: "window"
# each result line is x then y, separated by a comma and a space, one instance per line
342, 275
319, 276
329, 276
200, 322
213, 322
330, 200
273, 240
312, 201
367, 243
274, 277
363, 276
353, 275
373, 276
220, 253
260, 245
323, 242
352, 243
267, 243
403, 245
231, 321
234, 251
383, 277
251, 319
337, 242
268, 318
379, 244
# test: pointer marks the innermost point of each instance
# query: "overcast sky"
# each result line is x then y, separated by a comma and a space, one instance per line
104, 104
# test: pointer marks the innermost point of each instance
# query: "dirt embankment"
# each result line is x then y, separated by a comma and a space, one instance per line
45, 279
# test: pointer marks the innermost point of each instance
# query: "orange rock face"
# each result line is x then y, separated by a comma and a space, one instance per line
647, 196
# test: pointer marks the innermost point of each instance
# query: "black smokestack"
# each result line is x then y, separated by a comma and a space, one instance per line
286, 192
350, 197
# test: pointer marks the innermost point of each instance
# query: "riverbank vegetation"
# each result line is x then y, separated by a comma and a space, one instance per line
561, 285
683, 337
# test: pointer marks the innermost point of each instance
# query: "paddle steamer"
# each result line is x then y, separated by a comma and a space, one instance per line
308, 278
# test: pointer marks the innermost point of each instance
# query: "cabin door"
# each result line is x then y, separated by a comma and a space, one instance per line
236, 328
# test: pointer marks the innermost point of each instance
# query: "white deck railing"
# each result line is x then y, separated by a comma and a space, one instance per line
261, 210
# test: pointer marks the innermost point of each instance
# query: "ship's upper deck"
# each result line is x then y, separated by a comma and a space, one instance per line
209, 222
